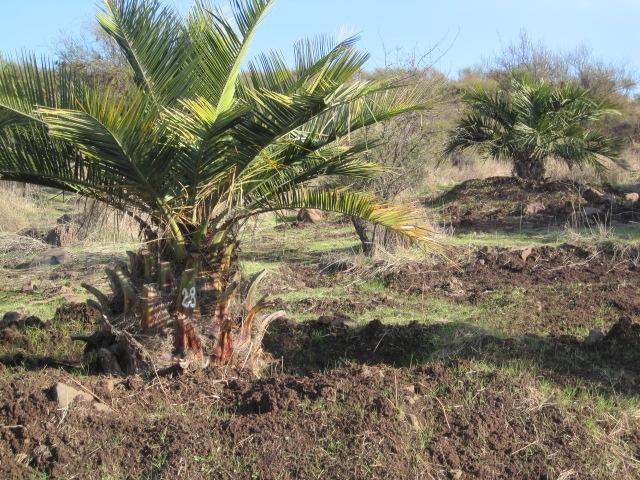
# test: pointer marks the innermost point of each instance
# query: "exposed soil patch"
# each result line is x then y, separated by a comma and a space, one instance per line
359, 422
611, 365
28, 337
348, 401
295, 275
550, 290
509, 202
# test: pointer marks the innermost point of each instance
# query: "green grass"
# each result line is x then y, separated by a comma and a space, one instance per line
619, 234
508, 240
37, 304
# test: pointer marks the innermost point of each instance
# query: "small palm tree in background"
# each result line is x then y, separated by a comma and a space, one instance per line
534, 122
196, 147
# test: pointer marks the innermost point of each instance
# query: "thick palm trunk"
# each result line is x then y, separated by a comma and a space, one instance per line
529, 168
188, 312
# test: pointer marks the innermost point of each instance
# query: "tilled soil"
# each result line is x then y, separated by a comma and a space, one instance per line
358, 422
559, 290
374, 401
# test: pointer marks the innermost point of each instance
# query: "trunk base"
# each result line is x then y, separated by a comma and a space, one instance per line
530, 169
127, 354
154, 327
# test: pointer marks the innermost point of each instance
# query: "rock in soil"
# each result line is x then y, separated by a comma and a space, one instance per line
10, 319
632, 197
534, 208
66, 395
19, 321
309, 215
54, 256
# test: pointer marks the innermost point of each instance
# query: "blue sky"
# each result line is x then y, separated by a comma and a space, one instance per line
468, 30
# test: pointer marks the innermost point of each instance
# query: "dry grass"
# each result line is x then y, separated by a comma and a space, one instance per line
18, 209
34, 207
15, 249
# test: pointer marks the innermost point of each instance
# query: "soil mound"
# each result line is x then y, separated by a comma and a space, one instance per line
359, 422
623, 342
554, 290
67, 230
509, 202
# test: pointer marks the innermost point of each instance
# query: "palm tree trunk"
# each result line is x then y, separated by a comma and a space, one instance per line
175, 312
529, 168
366, 239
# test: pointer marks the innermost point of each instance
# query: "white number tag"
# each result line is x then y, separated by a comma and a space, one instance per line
189, 298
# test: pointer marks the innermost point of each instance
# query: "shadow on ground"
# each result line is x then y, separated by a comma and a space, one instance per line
611, 366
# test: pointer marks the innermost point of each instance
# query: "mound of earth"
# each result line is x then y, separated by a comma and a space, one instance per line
358, 422
68, 229
510, 202
623, 342
26, 336
551, 290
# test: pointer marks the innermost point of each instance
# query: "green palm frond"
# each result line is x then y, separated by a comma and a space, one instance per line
403, 219
27, 83
155, 43
222, 47
196, 143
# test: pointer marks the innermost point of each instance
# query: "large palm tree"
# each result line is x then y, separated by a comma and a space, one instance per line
197, 146
533, 122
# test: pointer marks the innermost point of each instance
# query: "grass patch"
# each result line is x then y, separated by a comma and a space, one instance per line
37, 304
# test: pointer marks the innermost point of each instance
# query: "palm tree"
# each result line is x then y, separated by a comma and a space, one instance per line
192, 150
533, 122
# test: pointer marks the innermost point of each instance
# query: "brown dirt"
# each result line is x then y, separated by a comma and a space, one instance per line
373, 402
332, 305
312, 346
559, 289
507, 203
359, 422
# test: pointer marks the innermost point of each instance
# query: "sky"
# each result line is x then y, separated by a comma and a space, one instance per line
464, 31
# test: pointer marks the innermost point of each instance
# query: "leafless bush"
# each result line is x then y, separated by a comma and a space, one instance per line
579, 65
409, 146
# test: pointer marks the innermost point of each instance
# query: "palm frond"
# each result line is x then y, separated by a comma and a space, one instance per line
534, 121
222, 47
27, 83
195, 142
155, 43
403, 219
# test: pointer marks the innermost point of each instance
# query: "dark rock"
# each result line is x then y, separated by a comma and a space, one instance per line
54, 256
595, 337
593, 195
